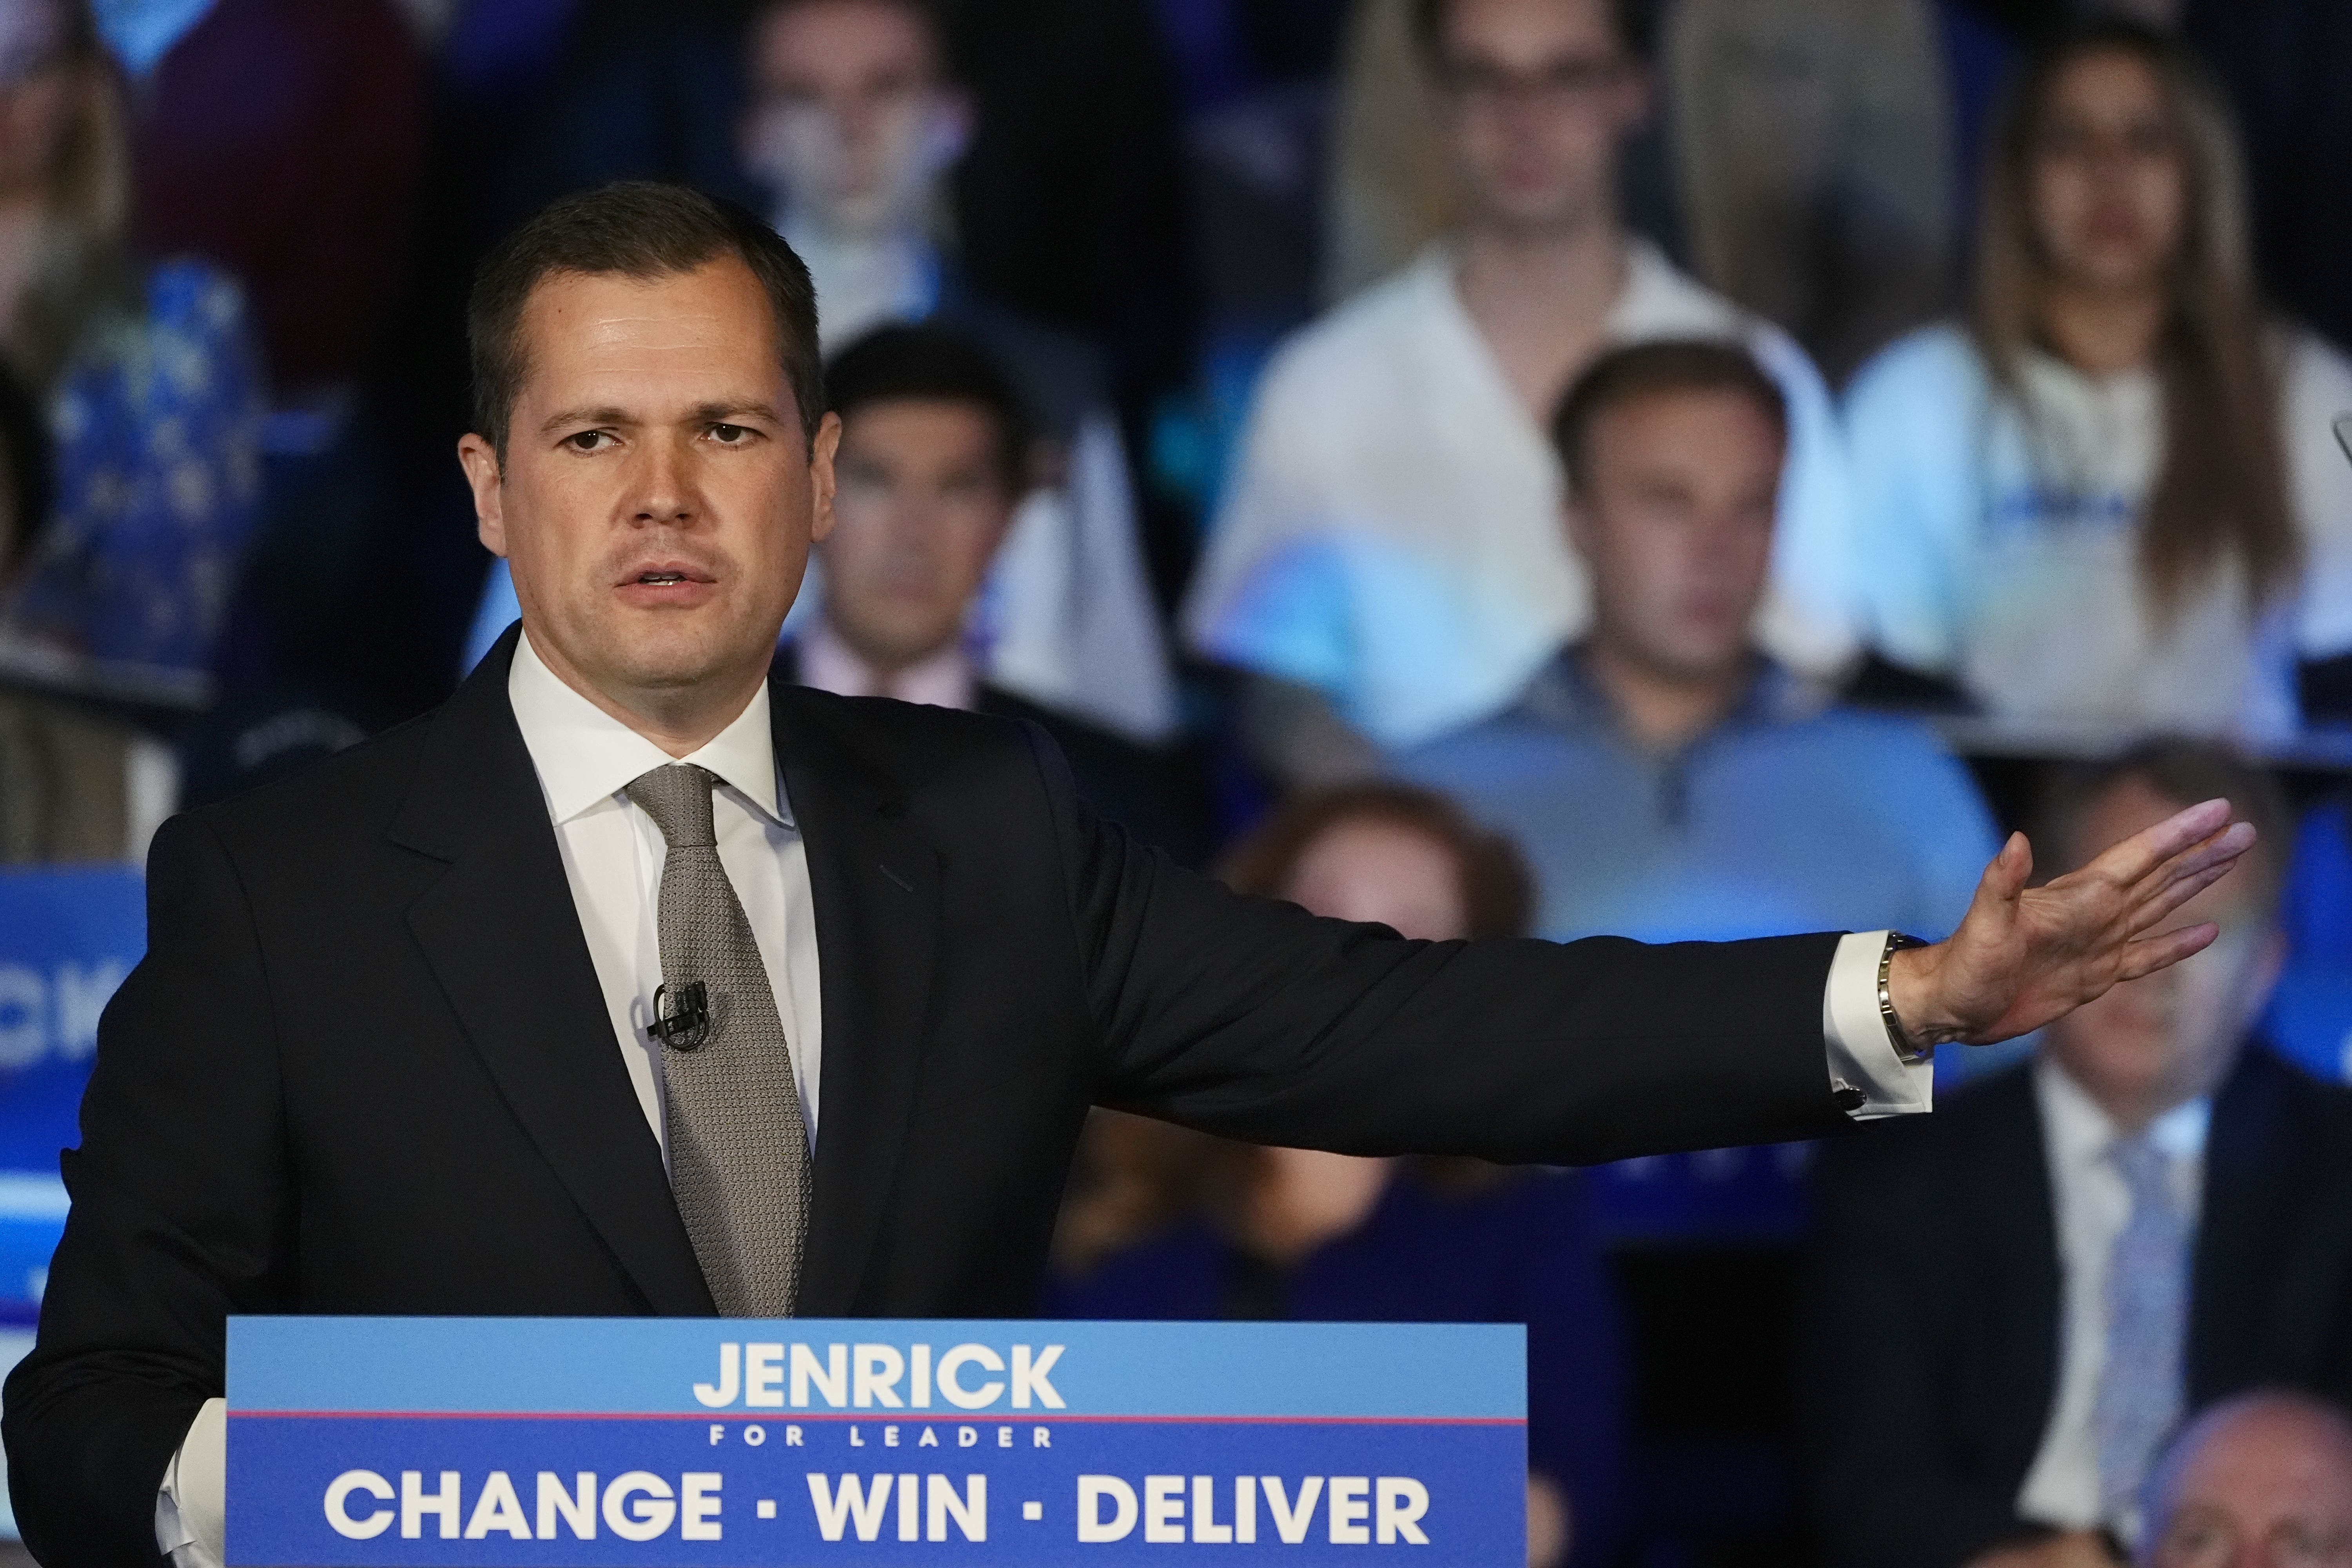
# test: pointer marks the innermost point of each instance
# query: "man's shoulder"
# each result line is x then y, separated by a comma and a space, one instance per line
1867, 735
356, 791
2292, 1113
924, 751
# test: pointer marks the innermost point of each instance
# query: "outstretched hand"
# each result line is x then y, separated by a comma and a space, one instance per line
2025, 956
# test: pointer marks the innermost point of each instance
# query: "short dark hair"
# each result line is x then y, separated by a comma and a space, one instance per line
2187, 771
642, 229
1660, 368
1498, 891
934, 363
1429, 19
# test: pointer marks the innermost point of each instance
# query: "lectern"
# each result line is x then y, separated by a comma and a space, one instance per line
438, 1441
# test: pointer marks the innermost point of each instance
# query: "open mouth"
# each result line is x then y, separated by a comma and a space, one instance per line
661, 579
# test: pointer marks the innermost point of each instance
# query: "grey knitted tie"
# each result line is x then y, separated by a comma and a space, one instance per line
739, 1150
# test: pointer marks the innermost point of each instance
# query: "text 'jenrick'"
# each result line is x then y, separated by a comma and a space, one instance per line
864, 1378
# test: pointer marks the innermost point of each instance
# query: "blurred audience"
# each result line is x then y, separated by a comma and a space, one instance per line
2286, 63
282, 140
935, 455
1391, 188
77, 783
853, 132
154, 394
2311, 1013
1669, 779
1163, 1224
2263, 1480
2018, 1297
1814, 161
1388, 563
851, 128
2109, 501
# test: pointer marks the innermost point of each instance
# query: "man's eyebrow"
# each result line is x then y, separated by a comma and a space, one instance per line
719, 413
604, 415
714, 413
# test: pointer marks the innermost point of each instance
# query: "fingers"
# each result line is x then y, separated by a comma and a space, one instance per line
2143, 852
2150, 953
2171, 896
2222, 850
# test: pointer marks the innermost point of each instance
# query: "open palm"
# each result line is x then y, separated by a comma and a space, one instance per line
2027, 956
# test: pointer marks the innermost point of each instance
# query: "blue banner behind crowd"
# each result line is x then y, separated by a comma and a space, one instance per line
66, 938
449, 1441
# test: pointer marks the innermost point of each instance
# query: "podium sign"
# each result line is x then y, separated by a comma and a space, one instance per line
68, 936
438, 1441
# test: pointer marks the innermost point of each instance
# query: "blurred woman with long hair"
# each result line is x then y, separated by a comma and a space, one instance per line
150, 378
2108, 503
1163, 1223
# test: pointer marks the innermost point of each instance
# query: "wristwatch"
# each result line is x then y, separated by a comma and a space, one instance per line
1909, 1053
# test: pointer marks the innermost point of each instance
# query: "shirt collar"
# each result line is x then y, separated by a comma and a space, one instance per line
2081, 1133
943, 680
585, 756
1565, 696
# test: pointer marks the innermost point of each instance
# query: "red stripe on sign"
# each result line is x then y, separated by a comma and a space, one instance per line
891, 1417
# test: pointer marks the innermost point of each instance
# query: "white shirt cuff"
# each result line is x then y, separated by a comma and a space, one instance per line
192, 1505
1862, 1059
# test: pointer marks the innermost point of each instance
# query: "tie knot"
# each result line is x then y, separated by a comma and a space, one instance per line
677, 797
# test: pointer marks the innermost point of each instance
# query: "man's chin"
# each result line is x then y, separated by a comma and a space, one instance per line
681, 658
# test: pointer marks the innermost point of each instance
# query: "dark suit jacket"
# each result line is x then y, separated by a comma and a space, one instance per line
365, 1065
1157, 794
1935, 1323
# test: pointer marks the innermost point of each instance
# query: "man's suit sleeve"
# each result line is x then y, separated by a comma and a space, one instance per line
1880, 1330
1251, 1018
180, 1215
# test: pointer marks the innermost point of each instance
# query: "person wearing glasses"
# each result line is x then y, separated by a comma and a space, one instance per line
1388, 563
2109, 501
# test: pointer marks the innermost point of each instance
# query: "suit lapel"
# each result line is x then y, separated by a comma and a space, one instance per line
2247, 1197
2020, 1207
877, 889
502, 937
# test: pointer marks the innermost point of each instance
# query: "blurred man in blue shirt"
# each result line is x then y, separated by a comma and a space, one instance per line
1666, 779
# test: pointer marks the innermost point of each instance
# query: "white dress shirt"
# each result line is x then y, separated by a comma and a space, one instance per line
2092, 1206
613, 858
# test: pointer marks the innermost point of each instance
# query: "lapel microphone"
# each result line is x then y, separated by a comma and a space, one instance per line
681, 1016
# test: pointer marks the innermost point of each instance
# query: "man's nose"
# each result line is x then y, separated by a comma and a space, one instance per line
662, 490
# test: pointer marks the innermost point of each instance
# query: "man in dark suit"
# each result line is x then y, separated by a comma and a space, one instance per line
937, 452
625, 983
2020, 1297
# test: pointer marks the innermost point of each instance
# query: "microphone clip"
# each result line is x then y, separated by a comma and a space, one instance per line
681, 1016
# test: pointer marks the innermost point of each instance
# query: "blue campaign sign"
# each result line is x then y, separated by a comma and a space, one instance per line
66, 938
441, 1441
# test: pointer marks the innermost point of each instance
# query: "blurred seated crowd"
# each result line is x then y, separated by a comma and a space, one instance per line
1686, 469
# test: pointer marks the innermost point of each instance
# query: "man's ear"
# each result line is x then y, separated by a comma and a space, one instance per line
822, 479
480, 461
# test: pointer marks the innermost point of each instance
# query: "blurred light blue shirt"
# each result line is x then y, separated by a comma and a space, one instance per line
1793, 814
